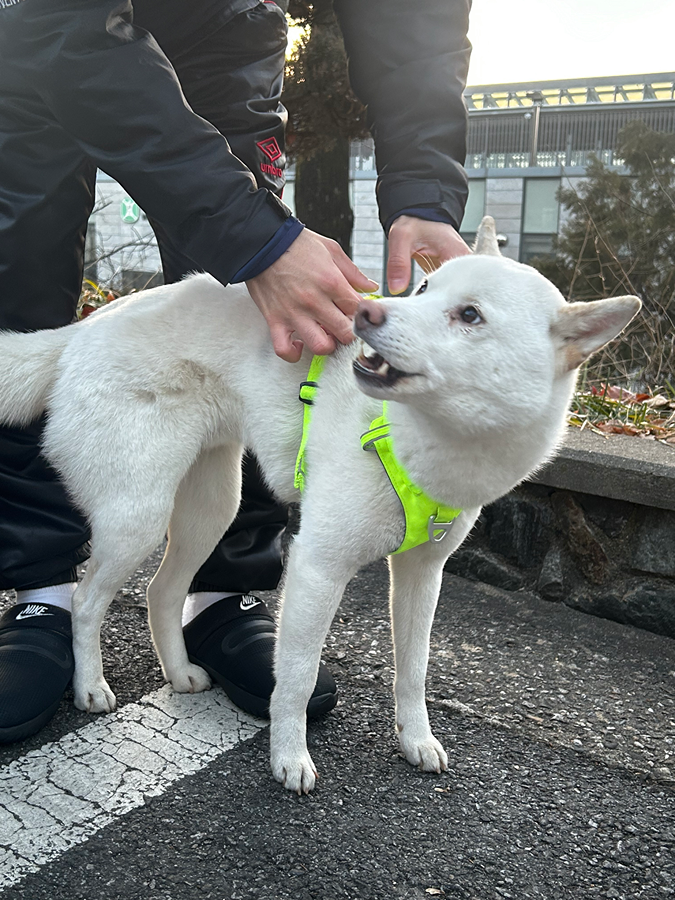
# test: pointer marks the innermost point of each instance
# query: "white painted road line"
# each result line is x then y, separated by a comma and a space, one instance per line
58, 796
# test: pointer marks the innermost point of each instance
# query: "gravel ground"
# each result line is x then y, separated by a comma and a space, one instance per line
560, 729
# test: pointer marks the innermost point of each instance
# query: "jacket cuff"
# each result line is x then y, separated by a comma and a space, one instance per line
395, 194
270, 253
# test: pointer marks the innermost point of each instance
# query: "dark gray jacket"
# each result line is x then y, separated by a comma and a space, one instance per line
111, 88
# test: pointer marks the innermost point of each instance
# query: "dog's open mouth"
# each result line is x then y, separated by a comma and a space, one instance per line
373, 368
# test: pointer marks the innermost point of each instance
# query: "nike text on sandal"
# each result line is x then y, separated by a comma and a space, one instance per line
36, 665
233, 640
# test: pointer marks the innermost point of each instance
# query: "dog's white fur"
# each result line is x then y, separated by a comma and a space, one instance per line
152, 400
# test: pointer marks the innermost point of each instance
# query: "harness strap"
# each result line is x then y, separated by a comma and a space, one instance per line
307, 393
425, 518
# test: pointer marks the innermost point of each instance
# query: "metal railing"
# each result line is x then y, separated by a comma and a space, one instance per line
553, 124
564, 138
520, 126
573, 92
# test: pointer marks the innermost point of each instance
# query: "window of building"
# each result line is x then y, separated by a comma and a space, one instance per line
541, 213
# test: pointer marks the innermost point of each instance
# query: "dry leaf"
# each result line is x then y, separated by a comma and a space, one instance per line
657, 402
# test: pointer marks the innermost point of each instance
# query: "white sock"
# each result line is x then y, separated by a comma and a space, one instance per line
55, 595
197, 603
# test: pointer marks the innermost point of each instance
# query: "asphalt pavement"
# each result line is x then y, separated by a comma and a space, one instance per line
560, 729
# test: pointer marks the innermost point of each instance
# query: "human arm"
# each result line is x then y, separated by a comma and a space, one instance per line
408, 64
112, 90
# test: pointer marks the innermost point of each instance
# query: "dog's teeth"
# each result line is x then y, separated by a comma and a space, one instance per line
383, 369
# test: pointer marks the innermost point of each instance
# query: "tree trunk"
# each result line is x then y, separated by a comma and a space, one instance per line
322, 193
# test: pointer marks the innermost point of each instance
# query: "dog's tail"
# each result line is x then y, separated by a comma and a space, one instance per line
28, 364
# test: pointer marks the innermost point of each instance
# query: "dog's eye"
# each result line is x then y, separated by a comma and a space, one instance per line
470, 315
422, 288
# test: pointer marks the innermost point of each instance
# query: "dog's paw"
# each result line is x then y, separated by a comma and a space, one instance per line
95, 698
190, 680
425, 752
296, 773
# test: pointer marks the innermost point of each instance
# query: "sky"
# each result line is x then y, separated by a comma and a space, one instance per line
528, 40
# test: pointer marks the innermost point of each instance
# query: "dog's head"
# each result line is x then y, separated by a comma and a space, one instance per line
483, 340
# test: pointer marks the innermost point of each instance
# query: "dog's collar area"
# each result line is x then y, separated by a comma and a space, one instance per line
425, 518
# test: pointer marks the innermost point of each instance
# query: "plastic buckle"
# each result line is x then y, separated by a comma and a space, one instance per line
307, 384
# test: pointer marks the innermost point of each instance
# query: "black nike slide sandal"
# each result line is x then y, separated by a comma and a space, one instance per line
36, 665
233, 640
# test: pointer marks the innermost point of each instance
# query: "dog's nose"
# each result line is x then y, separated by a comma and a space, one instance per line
370, 313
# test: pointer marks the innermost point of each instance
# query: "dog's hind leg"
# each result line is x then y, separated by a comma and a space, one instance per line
205, 505
121, 540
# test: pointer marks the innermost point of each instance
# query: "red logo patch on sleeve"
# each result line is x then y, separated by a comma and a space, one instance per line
270, 148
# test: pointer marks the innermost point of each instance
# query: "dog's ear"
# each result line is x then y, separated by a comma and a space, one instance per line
486, 238
583, 328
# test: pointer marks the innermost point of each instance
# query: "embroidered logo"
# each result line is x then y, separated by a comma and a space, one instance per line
248, 602
5, 4
33, 609
272, 151
270, 148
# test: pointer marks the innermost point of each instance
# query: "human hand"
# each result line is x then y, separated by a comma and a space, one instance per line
311, 290
428, 243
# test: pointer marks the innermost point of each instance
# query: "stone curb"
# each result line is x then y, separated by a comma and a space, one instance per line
620, 467
594, 529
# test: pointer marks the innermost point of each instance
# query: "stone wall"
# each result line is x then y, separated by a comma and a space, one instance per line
608, 557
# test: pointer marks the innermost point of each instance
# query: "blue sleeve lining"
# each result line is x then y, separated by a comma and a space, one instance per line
270, 253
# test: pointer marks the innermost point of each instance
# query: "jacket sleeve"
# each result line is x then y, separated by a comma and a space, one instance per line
408, 64
113, 91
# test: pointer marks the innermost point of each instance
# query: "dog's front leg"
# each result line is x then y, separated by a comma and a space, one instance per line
312, 592
415, 586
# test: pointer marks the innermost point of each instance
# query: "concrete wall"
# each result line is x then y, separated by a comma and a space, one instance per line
504, 202
367, 236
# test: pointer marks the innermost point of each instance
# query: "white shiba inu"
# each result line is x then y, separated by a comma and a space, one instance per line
152, 400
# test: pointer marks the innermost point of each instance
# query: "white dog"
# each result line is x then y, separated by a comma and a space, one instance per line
152, 400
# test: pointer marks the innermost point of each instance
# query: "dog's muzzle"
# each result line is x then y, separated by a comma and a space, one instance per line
373, 368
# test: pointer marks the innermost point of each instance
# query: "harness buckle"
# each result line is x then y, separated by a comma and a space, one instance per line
433, 525
307, 392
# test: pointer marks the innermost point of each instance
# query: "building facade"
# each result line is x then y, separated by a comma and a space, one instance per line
524, 141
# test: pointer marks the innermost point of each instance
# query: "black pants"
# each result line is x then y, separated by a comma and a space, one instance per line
47, 188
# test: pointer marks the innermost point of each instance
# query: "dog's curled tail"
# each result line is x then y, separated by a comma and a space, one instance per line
28, 364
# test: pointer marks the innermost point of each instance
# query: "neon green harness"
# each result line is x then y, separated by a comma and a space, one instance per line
425, 519
307, 393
